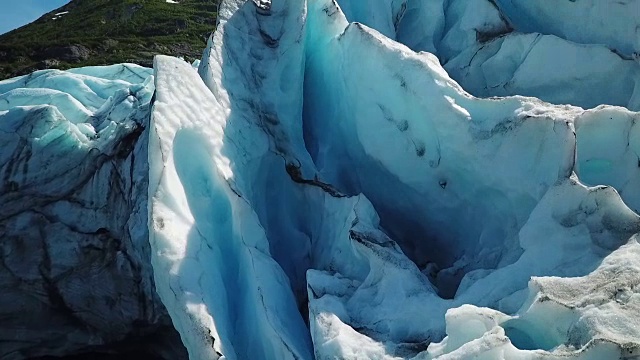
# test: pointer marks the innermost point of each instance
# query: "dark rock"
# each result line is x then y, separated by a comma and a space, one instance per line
181, 24
41, 65
204, 20
109, 44
130, 11
69, 53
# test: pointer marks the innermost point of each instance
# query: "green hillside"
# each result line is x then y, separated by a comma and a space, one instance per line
102, 32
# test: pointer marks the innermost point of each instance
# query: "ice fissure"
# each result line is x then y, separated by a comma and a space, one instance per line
391, 208
316, 188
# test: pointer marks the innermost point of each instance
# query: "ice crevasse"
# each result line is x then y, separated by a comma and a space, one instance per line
321, 190
323, 186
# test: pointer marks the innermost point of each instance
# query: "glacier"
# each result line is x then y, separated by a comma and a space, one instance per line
501, 47
396, 179
75, 274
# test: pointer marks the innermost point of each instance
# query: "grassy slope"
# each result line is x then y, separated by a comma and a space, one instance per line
114, 31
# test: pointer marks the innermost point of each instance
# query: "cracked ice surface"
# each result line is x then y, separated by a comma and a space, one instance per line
321, 190
318, 189
501, 47
74, 257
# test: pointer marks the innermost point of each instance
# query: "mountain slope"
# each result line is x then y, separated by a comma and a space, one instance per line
103, 32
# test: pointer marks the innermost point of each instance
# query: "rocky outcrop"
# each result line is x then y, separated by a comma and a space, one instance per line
69, 53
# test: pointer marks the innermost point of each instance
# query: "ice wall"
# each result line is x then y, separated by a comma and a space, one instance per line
212, 262
612, 23
396, 215
75, 275
499, 48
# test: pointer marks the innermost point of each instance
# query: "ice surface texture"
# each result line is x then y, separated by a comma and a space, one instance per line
317, 174
74, 271
318, 189
503, 47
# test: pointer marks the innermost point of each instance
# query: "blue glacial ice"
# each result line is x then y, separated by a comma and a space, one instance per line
322, 185
501, 47
73, 214
399, 207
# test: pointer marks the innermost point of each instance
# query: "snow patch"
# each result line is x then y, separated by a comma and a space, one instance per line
57, 16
